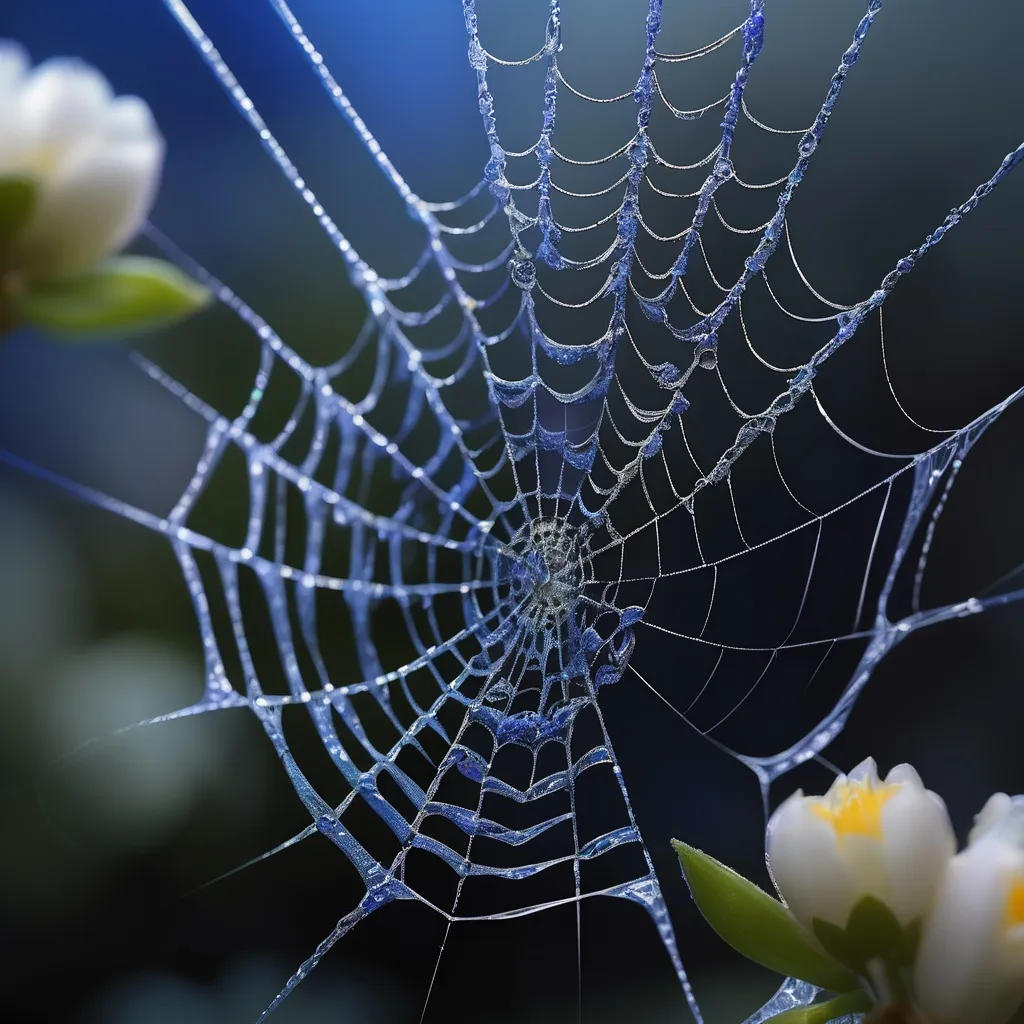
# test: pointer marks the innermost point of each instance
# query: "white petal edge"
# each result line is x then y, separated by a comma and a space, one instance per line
904, 775
96, 204
61, 104
866, 771
129, 119
14, 65
996, 808
918, 844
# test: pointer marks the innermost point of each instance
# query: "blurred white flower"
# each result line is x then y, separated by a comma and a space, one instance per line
864, 837
94, 159
133, 789
970, 963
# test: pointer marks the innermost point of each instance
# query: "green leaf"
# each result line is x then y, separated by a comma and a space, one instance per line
872, 932
834, 939
119, 296
821, 1013
17, 201
756, 925
872, 928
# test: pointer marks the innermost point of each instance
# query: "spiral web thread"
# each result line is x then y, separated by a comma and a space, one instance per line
535, 501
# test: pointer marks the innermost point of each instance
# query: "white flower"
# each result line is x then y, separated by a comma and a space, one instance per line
891, 840
94, 158
970, 964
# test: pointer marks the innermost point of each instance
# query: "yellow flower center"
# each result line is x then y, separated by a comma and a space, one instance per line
855, 809
1013, 914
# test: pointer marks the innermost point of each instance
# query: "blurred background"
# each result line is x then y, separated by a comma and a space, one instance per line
103, 849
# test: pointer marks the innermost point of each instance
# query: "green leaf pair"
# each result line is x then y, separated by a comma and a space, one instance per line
120, 295
872, 932
763, 930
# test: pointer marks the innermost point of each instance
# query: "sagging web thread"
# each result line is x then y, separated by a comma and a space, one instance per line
541, 496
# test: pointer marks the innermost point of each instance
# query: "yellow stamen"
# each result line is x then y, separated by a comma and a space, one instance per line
1014, 912
855, 809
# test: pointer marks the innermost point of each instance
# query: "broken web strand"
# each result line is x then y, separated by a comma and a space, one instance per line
189, 541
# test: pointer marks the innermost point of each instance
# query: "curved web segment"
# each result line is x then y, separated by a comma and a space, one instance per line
492, 508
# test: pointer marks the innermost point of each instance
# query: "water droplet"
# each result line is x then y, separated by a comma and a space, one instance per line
808, 144
707, 359
523, 272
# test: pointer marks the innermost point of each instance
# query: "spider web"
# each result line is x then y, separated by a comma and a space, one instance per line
557, 432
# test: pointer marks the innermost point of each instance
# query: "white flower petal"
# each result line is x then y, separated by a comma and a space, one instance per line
918, 844
904, 775
970, 964
996, 808
128, 119
866, 771
865, 861
954, 974
94, 205
891, 840
94, 158
61, 104
14, 64
806, 864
